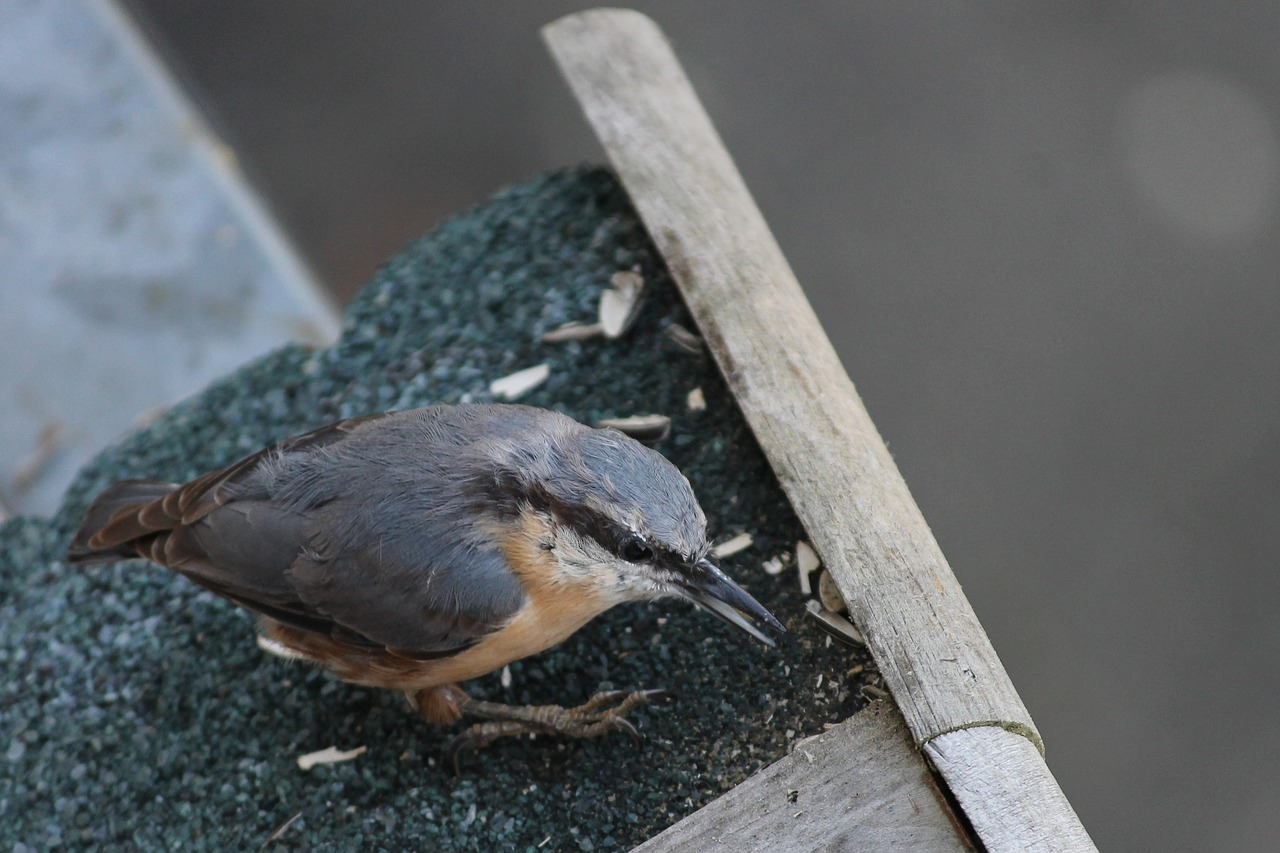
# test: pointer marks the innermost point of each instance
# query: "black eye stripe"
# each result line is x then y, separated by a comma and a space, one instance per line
611, 536
580, 517
635, 550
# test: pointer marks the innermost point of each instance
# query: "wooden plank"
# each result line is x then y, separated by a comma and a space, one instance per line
786, 377
1004, 788
816, 799
802, 407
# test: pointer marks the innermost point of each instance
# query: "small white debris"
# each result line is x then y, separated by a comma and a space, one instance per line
806, 561
329, 755
626, 280
506, 677
829, 594
520, 382
836, 626
280, 650
697, 401
873, 693
620, 303
280, 830
818, 686
741, 542
773, 566
646, 428
572, 331
683, 338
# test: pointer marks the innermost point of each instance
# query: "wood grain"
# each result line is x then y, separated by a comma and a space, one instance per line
816, 799
786, 377
1001, 783
938, 662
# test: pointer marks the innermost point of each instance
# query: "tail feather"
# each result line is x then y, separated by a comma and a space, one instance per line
115, 521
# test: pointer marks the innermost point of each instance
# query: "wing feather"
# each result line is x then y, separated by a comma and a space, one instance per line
345, 531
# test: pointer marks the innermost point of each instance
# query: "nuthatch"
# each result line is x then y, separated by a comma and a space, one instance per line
417, 549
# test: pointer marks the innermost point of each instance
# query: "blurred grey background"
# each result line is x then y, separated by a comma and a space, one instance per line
1043, 239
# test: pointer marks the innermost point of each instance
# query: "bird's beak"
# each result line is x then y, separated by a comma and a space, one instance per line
709, 588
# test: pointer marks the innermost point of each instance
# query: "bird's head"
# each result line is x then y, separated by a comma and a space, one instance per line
623, 516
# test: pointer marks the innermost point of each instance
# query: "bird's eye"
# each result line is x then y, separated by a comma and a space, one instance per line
635, 551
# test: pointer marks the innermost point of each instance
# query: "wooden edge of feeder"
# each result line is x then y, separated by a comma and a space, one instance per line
816, 799
1002, 785
791, 387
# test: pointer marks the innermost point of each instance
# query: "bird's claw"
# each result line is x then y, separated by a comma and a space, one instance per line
602, 714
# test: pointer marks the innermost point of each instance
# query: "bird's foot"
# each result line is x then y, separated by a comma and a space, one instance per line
601, 714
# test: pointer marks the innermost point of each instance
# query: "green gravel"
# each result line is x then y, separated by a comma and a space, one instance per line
137, 712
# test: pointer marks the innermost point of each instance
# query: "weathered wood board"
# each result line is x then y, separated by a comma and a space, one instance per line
785, 375
860, 786
829, 458
1001, 783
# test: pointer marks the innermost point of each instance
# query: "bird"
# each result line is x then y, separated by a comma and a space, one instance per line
419, 549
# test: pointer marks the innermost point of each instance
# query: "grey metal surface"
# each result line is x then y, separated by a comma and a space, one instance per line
134, 265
